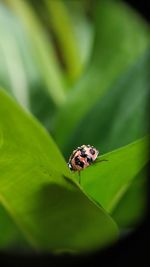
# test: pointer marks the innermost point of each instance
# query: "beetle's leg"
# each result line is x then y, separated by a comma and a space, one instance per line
79, 177
100, 160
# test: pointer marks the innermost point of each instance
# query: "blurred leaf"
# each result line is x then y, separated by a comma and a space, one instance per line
10, 235
12, 73
131, 209
61, 22
42, 106
19, 72
42, 49
73, 31
121, 115
38, 191
106, 182
83, 28
118, 29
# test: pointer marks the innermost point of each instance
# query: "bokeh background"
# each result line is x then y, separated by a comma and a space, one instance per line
81, 67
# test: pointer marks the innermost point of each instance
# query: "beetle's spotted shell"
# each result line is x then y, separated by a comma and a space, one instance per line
82, 157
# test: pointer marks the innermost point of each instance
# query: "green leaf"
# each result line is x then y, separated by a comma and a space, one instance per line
118, 28
132, 208
38, 191
107, 181
10, 236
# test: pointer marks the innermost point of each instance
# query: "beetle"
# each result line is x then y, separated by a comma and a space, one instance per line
82, 157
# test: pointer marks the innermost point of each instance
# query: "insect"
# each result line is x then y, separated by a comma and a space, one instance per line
82, 157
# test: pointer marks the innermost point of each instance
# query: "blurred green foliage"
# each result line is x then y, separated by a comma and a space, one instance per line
82, 68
